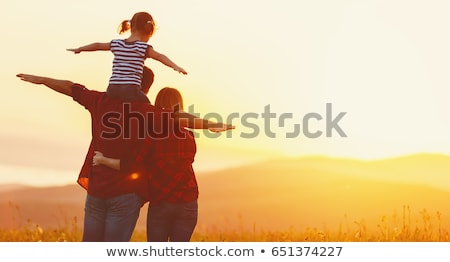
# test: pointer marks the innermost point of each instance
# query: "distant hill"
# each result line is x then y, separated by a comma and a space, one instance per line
52, 206
307, 192
326, 192
10, 187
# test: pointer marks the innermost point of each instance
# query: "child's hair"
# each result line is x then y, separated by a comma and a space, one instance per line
169, 98
141, 21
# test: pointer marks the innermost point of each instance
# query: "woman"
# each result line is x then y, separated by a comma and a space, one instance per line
173, 192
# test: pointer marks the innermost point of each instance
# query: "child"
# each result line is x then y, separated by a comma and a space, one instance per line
129, 56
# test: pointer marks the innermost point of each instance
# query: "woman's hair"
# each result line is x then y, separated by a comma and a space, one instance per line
169, 98
141, 21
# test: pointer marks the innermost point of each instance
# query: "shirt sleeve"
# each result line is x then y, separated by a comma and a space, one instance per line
84, 96
83, 177
112, 45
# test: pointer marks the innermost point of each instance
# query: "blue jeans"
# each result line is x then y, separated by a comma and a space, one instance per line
112, 219
127, 93
171, 222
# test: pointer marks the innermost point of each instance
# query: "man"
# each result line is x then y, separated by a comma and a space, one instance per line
114, 197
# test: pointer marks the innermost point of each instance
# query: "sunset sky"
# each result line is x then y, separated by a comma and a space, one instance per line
384, 64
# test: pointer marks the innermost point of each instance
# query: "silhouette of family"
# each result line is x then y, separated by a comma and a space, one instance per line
123, 172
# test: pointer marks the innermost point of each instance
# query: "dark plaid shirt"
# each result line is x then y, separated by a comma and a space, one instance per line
168, 164
101, 181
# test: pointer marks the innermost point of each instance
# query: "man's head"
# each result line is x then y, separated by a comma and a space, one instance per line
147, 79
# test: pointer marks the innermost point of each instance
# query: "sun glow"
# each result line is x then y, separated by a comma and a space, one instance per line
372, 60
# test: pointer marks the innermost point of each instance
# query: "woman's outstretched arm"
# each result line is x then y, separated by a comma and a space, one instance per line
191, 121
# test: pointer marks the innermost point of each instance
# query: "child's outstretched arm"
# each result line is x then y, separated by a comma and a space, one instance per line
91, 47
151, 53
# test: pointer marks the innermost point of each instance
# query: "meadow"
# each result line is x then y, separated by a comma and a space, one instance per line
302, 199
409, 226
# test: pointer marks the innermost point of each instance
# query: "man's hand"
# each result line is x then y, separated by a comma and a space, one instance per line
60, 86
31, 78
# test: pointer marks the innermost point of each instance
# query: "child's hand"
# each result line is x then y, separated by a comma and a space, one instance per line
223, 128
97, 159
180, 70
74, 50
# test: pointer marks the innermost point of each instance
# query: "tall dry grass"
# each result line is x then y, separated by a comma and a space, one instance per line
407, 227
421, 226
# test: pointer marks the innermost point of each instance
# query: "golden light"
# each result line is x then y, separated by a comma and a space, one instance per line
134, 176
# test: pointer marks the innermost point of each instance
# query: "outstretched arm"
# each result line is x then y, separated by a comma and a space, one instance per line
191, 121
91, 47
151, 53
61, 86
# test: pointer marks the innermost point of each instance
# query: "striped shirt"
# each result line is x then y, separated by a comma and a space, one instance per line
128, 62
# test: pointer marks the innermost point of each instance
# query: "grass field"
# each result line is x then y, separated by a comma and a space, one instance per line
406, 227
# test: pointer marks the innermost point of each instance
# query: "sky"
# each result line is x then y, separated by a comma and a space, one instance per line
376, 70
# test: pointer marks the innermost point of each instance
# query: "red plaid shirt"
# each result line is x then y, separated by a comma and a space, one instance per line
101, 181
168, 164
